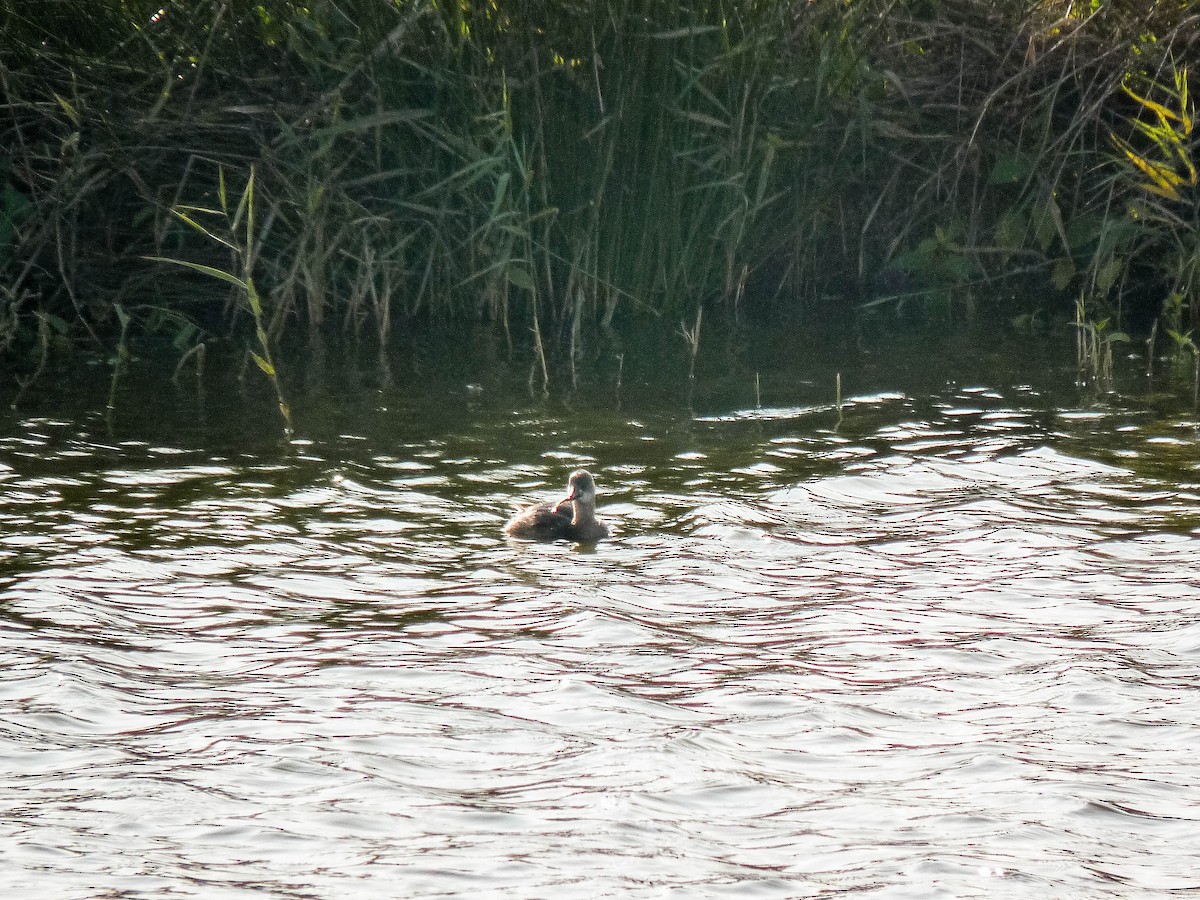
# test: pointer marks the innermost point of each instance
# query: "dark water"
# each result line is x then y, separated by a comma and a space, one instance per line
946, 647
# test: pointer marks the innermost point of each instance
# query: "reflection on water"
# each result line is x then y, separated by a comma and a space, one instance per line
946, 647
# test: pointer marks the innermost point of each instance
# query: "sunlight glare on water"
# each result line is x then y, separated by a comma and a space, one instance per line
947, 648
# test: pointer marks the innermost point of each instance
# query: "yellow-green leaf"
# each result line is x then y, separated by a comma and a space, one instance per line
1163, 176
70, 110
264, 365
207, 270
188, 220
1161, 111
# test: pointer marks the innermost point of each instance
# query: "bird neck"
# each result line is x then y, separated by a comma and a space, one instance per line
584, 511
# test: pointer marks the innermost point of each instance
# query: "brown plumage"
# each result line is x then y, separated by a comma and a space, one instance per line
573, 518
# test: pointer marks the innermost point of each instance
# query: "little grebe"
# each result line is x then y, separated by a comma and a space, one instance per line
573, 518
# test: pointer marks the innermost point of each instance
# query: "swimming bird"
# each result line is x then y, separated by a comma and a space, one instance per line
573, 518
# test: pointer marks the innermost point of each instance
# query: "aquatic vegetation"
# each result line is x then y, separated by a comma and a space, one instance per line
1159, 178
1094, 340
239, 238
550, 169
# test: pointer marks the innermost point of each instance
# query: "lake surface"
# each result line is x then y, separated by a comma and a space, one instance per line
946, 645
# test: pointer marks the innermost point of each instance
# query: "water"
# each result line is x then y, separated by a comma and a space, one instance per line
947, 647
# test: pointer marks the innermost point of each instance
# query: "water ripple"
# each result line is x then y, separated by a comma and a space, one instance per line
935, 651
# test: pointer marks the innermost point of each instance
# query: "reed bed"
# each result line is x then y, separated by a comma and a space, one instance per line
553, 168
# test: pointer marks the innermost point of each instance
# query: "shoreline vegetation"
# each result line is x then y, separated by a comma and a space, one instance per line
255, 172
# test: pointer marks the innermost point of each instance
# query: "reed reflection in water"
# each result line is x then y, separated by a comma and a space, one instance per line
939, 654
